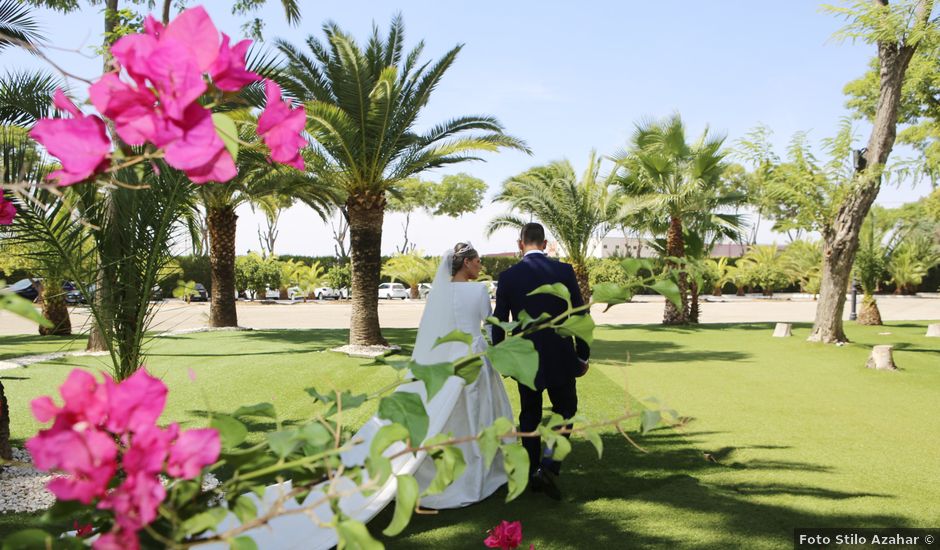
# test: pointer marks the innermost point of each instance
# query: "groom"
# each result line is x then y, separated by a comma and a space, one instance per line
561, 360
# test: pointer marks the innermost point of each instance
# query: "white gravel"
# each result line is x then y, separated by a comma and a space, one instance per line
368, 352
23, 488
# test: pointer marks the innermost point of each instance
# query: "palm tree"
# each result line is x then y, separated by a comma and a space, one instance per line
256, 179
362, 106
803, 264
672, 182
578, 212
766, 267
411, 269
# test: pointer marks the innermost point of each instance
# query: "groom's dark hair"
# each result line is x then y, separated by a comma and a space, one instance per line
532, 233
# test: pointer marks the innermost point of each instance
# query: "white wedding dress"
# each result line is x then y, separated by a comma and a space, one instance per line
458, 409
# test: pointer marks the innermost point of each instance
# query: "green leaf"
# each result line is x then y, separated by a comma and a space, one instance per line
24, 308
595, 440
517, 358
323, 398
347, 400
470, 371
669, 290
204, 521
555, 289
490, 438
649, 420
579, 326
610, 294
405, 499
449, 464
231, 431
380, 467
526, 320
562, 448
433, 376
314, 435
225, 127
507, 326
353, 535
455, 336
282, 443
633, 265
243, 543
184, 491
245, 509
516, 462
258, 409
406, 408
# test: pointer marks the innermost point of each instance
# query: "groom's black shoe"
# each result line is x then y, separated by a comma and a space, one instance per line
543, 481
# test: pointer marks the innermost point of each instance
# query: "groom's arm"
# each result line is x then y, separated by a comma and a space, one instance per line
502, 309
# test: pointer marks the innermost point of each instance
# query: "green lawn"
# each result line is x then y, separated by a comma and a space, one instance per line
784, 433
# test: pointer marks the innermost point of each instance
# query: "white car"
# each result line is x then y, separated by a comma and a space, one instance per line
326, 293
392, 290
272, 293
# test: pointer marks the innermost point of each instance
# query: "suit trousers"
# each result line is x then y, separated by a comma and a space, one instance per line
564, 402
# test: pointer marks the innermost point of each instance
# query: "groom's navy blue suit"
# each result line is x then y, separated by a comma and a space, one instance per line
560, 358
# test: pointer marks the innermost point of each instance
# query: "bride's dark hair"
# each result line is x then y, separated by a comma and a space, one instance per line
462, 252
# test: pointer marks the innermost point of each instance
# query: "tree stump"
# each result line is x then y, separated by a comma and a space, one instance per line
933, 330
881, 358
782, 330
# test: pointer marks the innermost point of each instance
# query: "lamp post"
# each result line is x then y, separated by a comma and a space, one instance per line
852, 315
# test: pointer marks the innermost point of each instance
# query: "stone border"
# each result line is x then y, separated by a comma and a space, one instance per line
366, 352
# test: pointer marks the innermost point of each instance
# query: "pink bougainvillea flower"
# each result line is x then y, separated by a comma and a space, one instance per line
80, 143
135, 501
228, 71
136, 403
193, 451
7, 211
88, 456
280, 126
173, 72
117, 540
132, 109
200, 153
148, 450
84, 400
506, 535
193, 29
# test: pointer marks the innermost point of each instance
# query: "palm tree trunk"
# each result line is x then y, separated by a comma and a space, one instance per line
56, 311
693, 307
5, 451
222, 222
675, 246
869, 314
366, 214
584, 280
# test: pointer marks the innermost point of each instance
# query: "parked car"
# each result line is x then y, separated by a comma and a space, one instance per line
327, 293
24, 288
393, 290
76, 296
345, 293
423, 290
272, 293
201, 294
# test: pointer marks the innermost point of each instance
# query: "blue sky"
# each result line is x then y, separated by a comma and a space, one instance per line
567, 78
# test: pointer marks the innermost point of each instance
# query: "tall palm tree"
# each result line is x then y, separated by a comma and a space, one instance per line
576, 211
362, 106
256, 179
673, 181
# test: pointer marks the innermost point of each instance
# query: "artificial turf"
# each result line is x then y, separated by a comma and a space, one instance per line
782, 433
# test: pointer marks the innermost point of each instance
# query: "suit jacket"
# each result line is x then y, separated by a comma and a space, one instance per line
558, 356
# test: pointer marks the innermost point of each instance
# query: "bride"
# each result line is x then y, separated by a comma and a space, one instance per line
458, 303
455, 303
